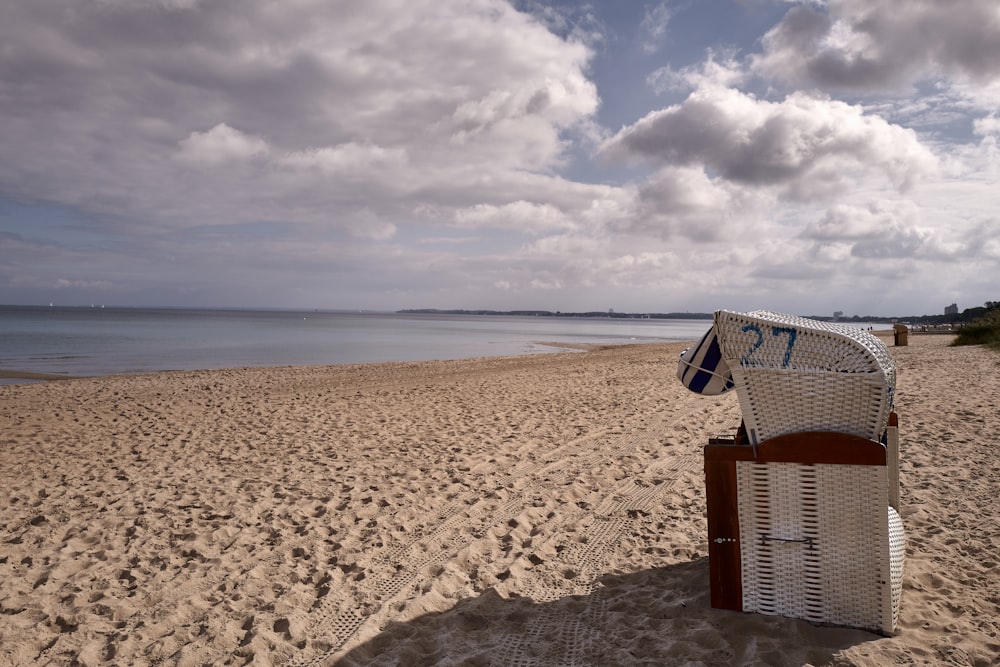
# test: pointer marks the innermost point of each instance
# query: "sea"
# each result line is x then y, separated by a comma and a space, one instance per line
96, 341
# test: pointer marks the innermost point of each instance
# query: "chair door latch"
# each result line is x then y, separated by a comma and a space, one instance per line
765, 538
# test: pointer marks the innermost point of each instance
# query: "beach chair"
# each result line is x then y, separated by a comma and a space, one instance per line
803, 503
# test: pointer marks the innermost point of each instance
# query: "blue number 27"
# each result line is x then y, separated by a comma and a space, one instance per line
776, 331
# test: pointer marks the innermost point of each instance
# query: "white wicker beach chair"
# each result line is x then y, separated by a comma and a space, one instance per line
794, 374
803, 518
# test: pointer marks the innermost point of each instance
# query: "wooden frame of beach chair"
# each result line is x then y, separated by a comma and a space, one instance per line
803, 503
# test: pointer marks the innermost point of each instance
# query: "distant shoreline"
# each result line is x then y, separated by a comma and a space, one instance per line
854, 319
550, 313
910, 320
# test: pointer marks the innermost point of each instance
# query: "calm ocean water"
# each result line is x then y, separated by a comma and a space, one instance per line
104, 341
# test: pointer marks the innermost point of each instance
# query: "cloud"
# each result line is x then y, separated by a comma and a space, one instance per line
654, 26
684, 201
874, 45
805, 146
439, 153
853, 223
347, 159
987, 126
880, 230
178, 113
97, 285
720, 70
219, 145
520, 215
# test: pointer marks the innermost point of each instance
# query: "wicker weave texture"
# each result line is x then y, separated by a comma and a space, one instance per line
819, 542
897, 553
794, 374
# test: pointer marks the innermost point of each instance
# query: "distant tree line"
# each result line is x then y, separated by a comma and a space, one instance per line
964, 318
549, 313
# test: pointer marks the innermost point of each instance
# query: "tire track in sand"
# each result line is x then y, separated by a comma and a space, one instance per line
576, 569
392, 571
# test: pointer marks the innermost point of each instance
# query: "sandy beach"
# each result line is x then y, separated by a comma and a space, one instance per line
538, 510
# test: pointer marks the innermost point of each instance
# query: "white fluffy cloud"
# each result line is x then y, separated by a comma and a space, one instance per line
987, 126
879, 230
519, 215
219, 145
377, 153
205, 109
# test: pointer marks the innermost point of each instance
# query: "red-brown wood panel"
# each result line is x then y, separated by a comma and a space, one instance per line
811, 447
726, 581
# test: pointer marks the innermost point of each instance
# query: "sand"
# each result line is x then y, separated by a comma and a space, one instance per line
542, 510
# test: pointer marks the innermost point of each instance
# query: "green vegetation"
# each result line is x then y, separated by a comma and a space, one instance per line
984, 330
966, 317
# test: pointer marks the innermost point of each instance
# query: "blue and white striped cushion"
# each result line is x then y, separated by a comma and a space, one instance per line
702, 369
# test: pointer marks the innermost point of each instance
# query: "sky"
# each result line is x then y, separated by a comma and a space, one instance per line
686, 155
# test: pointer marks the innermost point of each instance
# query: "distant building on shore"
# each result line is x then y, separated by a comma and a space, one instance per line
837, 314
951, 310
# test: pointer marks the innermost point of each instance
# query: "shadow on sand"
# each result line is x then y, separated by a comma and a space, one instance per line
652, 617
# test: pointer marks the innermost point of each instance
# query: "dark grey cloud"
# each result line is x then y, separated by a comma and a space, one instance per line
879, 45
806, 146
